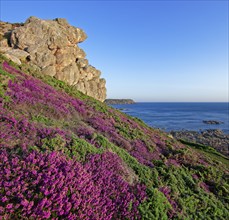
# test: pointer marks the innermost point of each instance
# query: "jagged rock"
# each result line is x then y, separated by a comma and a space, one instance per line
4, 43
212, 122
5, 28
71, 74
51, 45
49, 70
82, 62
20, 54
13, 58
4, 49
15, 55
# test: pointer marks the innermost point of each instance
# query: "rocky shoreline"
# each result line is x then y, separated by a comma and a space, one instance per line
212, 137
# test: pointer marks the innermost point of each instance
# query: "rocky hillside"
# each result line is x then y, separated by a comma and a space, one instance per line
52, 47
64, 155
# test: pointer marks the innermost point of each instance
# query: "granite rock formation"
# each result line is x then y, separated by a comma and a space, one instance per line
52, 47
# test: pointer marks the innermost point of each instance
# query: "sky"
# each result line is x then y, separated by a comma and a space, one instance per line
149, 51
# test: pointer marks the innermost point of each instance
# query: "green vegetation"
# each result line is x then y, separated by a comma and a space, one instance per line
41, 114
211, 152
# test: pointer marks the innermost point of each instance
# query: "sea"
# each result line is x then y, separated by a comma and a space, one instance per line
179, 116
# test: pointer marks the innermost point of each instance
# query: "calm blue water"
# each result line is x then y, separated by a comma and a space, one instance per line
180, 116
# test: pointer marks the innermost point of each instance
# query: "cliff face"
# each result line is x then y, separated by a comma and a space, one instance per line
52, 46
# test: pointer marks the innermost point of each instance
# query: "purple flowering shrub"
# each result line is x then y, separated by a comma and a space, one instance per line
64, 158
136, 139
85, 132
167, 192
101, 124
21, 132
36, 94
108, 172
49, 185
36, 97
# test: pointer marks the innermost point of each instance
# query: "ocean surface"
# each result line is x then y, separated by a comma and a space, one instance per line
179, 116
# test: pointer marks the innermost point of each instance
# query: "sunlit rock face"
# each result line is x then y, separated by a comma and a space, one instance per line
52, 46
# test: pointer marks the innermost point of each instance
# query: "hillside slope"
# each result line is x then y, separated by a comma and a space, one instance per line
65, 155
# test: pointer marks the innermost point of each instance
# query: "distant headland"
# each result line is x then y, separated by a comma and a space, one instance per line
119, 101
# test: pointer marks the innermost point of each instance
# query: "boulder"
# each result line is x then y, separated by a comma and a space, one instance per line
4, 49
20, 54
49, 70
212, 122
13, 58
4, 43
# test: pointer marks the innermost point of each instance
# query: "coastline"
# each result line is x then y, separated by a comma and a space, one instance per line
199, 123
214, 138
119, 101
180, 116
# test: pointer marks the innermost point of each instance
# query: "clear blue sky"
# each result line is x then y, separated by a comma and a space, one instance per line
147, 50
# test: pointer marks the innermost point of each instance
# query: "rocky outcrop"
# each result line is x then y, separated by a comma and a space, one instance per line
212, 122
52, 46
